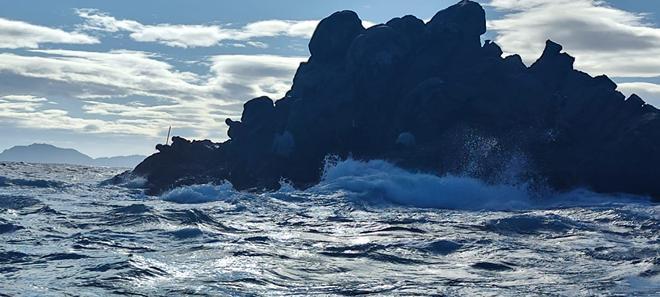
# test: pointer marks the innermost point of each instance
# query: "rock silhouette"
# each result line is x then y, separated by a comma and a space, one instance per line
429, 97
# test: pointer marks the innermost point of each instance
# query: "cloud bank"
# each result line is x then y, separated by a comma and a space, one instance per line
130, 92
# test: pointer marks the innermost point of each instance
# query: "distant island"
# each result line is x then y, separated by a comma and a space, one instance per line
46, 153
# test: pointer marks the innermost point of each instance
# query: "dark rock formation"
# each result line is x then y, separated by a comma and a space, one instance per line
429, 97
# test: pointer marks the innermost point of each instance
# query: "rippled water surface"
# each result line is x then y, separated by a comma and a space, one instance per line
360, 231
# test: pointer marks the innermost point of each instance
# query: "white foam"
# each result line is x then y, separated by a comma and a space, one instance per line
378, 179
135, 182
200, 193
286, 187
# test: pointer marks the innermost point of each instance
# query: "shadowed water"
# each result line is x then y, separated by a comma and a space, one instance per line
360, 231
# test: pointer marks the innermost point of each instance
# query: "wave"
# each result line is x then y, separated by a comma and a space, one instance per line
6, 227
34, 183
199, 193
379, 182
16, 202
126, 179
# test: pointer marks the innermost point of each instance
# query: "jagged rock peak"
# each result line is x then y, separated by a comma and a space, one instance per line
552, 48
635, 100
552, 55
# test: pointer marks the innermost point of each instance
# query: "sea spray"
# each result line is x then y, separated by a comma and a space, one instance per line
380, 180
200, 193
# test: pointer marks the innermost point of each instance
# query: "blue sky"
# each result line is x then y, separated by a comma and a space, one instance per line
109, 77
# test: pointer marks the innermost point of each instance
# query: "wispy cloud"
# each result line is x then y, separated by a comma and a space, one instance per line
28, 111
129, 92
19, 104
118, 72
604, 39
185, 36
256, 75
17, 34
649, 91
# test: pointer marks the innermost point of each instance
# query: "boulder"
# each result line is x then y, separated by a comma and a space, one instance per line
334, 35
464, 21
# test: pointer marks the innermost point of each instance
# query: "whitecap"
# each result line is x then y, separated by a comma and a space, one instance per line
380, 180
199, 193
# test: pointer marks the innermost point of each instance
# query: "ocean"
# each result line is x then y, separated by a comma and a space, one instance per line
369, 228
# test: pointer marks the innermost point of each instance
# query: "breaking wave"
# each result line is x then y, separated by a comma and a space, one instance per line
199, 193
380, 182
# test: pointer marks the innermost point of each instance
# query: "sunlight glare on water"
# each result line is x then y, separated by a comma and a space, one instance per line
361, 231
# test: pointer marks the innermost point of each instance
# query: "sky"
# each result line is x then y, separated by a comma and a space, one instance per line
109, 77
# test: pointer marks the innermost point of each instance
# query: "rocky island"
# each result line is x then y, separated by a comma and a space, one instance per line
429, 97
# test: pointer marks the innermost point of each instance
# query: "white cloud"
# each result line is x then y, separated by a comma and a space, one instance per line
123, 72
604, 39
95, 20
648, 91
112, 88
139, 111
26, 111
195, 35
180, 35
272, 28
257, 44
19, 103
17, 34
257, 75
23, 98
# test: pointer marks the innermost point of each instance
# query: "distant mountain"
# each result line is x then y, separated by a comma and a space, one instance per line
46, 153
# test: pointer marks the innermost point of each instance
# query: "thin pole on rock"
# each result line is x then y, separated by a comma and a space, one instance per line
167, 140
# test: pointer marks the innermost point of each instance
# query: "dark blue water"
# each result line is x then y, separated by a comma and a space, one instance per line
367, 229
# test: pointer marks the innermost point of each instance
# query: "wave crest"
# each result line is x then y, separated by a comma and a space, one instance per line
34, 183
380, 180
199, 193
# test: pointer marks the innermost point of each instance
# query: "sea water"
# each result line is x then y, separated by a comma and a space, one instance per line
369, 228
